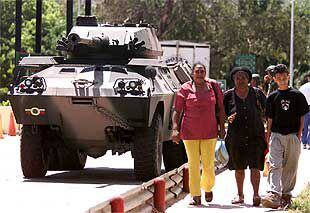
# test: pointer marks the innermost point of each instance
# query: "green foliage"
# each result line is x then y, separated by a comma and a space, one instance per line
300, 77
53, 27
302, 202
3, 92
6, 42
5, 103
257, 27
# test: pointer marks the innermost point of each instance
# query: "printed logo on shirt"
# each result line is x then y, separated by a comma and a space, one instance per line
285, 104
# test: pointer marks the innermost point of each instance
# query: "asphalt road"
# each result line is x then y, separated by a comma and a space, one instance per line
61, 191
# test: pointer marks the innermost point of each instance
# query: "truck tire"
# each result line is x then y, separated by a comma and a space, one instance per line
174, 155
148, 150
32, 156
71, 158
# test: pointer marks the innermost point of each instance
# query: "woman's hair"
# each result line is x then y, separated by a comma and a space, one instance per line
199, 63
196, 64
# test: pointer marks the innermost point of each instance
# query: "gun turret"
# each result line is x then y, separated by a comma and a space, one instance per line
107, 41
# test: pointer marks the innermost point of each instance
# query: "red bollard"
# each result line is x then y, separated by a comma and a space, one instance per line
185, 179
117, 205
160, 194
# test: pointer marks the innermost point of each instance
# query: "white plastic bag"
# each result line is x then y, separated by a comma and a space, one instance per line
221, 154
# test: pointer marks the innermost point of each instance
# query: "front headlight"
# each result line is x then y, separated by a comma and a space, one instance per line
121, 84
32, 84
28, 82
132, 84
129, 86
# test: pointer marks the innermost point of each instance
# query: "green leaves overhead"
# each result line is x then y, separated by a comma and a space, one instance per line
259, 27
53, 27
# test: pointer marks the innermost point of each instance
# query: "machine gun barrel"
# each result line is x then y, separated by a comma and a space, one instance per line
74, 39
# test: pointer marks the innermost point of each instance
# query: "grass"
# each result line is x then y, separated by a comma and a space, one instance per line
302, 202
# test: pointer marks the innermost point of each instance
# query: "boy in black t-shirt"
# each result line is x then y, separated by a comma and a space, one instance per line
285, 110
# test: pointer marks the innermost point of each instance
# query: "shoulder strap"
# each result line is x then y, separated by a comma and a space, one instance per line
259, 106
217, 108
215, 92
258, 100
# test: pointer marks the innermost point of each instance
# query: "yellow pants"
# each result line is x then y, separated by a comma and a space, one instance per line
200, 150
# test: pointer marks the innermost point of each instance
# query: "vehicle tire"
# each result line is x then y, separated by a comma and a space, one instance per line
71, 158
174, 155
148, 150
32, 156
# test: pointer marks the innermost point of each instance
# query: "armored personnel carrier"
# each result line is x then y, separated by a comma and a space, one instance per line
109, 91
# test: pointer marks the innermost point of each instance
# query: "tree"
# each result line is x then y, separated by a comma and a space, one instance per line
53, 26
259, 27
6, 44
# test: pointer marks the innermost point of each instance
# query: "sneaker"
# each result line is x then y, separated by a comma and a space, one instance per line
271, 200
286, 201
305, 146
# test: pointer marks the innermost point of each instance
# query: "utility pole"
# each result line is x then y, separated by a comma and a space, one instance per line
18, 26
87, 7
292, 45
69, 15
38, 26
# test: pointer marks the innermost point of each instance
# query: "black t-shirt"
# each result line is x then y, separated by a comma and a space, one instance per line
285, 107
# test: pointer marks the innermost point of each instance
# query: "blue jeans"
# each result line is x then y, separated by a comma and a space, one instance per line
305, 133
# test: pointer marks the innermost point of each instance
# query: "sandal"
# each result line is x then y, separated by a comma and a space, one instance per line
195, 201
239, 199
209, 196
256, 200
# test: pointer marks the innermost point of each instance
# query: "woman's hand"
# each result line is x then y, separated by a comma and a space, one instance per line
232, 117
175, 136
222, 133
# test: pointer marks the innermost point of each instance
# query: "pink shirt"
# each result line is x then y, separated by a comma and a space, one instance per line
199, 120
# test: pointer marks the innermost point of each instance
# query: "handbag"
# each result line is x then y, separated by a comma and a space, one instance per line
221, 154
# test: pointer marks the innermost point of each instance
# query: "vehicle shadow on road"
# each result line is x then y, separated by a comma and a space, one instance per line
98, 175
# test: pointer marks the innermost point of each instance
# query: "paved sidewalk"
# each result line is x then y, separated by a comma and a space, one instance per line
225, 189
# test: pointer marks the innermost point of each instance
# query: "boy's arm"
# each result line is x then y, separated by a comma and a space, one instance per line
269, 123
301, 126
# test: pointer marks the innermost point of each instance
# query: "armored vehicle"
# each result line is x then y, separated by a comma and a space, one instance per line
109, 91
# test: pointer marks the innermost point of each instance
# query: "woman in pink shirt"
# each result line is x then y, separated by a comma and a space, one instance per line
199, 129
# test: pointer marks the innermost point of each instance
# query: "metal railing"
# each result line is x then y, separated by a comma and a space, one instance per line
151, 196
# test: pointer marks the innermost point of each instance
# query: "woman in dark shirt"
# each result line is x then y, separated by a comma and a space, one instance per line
245, 140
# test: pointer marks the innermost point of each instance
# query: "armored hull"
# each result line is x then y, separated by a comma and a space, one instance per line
109, 92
